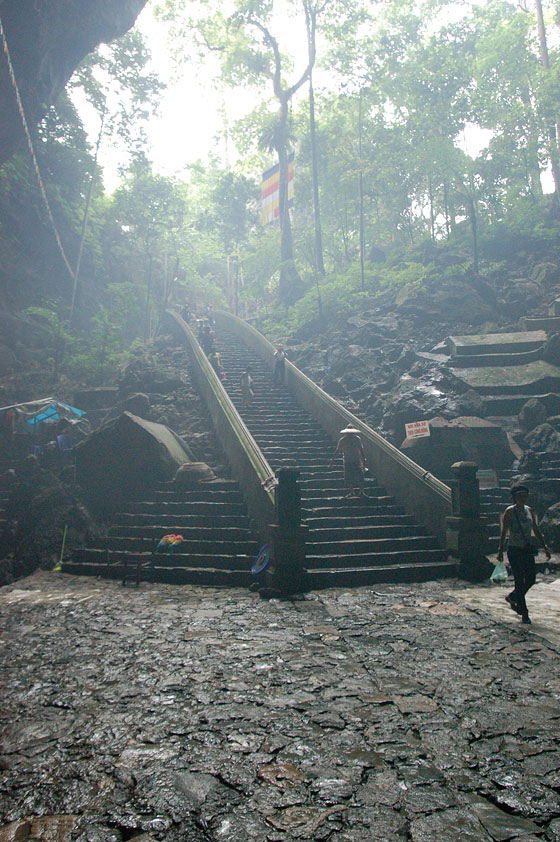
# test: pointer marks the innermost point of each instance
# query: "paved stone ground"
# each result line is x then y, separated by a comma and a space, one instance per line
390, 713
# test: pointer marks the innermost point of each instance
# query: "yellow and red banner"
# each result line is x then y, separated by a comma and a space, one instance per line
270, 191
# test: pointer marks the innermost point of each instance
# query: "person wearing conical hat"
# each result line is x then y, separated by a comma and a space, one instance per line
354, 461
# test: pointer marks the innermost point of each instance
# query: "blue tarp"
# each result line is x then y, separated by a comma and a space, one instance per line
51, 413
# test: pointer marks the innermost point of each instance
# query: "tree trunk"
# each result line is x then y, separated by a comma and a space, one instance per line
431, 198
148, 296
552, 127
446, 210
319, 262
290, 285
474, 230
361, 197
86, 213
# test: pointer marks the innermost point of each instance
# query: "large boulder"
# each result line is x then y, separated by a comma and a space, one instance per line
519, 296
546, 274
550, 527
192, 475
465, 438
551, 349
532, 414
544, 437
126, 457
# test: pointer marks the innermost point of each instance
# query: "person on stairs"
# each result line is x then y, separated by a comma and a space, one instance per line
354, 461
520, 521
206, 338
216, 362
279, 366
246, 383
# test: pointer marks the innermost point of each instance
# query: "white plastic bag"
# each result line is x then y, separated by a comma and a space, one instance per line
499, 573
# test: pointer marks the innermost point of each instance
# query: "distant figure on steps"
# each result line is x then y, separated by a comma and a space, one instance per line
354, 460
216, 362
246, 383
206, 338
279, 366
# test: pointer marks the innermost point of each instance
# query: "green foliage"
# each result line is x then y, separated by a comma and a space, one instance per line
405, 80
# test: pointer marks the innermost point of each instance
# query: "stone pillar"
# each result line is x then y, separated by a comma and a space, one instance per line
467, 535
286, 572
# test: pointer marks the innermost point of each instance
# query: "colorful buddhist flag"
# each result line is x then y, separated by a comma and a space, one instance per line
270, 191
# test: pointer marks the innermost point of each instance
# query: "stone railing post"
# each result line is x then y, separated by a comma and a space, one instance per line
286, 572
467, 535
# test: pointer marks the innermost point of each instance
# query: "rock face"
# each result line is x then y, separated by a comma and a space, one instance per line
550, 526
47, 40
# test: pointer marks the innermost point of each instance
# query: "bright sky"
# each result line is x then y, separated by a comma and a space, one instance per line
190, 121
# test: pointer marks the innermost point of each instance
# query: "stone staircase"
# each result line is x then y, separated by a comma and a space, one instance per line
218, 549
506, 369
350, 541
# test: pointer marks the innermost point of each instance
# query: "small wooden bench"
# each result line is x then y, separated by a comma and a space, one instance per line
134, 565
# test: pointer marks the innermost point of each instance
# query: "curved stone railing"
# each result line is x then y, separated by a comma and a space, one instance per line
249, 467
423, 496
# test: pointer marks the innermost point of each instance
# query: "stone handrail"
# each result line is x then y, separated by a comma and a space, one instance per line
422, 495
249, 467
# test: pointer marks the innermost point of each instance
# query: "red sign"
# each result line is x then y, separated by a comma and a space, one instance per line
417, 429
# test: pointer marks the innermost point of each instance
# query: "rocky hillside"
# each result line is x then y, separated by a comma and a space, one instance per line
384, 361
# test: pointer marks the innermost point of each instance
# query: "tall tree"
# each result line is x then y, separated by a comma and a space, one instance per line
552, 125
250, 54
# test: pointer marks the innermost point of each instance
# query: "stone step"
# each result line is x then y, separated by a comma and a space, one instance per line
386, 557
550, 324
353, 522
167, 515
195, 533
209, 509
490, 359
198, 495
226, 561
416, 571
527, 380
337, 501
190, 548
333, 488
492, 343
354, 548
324, 534
213, 577
549, 458
512, 404
323, 511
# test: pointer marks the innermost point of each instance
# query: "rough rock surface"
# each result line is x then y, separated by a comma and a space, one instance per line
177, 714
47, 40
550, 525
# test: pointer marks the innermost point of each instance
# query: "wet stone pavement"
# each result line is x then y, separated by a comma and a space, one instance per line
182, 713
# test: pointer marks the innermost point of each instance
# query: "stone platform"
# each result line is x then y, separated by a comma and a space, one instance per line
526, 379
417, 712
496, 343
